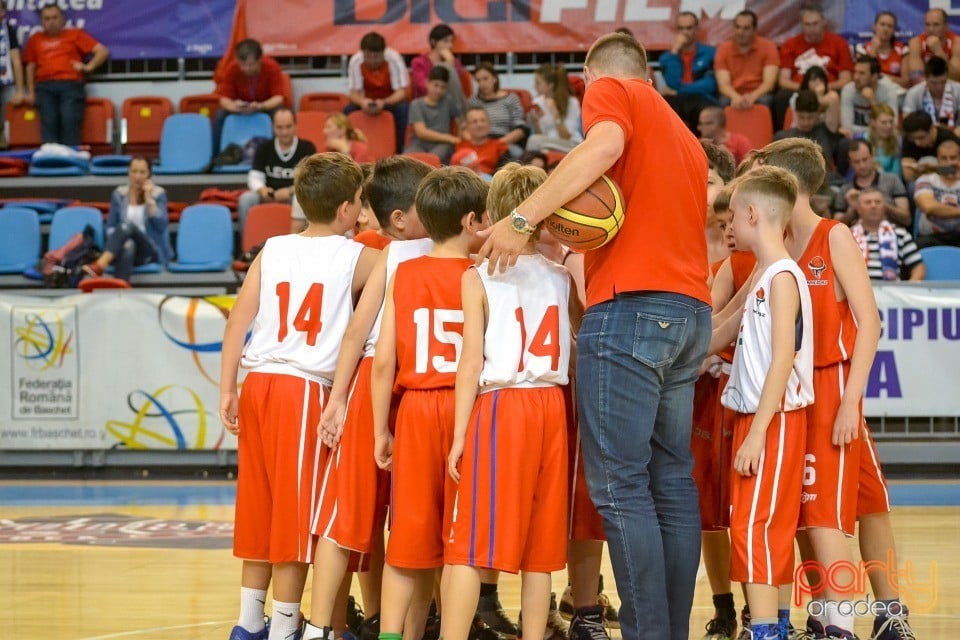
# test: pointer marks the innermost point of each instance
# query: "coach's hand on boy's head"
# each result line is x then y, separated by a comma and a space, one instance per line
502, 246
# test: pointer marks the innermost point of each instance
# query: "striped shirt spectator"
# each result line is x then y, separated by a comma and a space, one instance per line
889, 249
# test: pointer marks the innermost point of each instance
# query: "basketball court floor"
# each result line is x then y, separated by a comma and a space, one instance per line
151, 560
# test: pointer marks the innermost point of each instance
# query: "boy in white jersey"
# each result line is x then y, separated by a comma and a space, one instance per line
770, 383
298, 294
512, 491
354, 491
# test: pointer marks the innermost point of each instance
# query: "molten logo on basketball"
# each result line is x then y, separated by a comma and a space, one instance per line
556, 226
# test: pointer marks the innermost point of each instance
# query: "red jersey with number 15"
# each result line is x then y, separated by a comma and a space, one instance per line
429, 320
834, 327
305, 305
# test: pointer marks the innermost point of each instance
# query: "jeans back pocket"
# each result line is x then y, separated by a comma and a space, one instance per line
658, 339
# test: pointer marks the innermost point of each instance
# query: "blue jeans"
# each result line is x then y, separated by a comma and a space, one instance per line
637, 361
130, 248
61, 104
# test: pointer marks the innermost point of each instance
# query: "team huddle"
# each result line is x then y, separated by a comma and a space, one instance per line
397, 352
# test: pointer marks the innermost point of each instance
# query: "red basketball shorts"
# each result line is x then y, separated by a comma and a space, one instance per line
707, 472
279, 455
832, 472
872, 495
766, 506
513, 483
422, 492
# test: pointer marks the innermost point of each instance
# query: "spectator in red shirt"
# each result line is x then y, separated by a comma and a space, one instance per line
747, 65
478, 151
252, 82
378, 81
814, 47
713, 128
936, 41
56, 69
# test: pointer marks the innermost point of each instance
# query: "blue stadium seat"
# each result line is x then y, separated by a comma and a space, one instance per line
58, 166
70, 220
204, 239
112, 165
44, 208
186, 145
943, 263
19, 239
240, 128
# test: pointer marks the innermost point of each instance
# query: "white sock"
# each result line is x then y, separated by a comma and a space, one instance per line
838, 619
316, 633
285, 620
820, 605
251, 609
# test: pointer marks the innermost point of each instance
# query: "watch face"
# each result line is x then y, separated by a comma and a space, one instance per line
519, 223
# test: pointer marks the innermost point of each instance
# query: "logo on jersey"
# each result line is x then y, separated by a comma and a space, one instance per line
817, 266
759, 301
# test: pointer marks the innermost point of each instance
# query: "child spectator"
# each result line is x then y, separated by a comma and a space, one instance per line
770, 384
418, 351
884, 138
555, 115
351, 515
479, 152
433, 117
512, 414
712, 125
339, 135
887, 248
298, 295
504, 109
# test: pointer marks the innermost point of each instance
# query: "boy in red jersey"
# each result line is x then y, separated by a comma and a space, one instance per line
354, 490
417, 353
510, 425
298, 294
771, 382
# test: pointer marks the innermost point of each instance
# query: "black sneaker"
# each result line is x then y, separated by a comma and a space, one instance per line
491, 612
587, 624
480, 630
557, 628
370, 628
721, 628
432, 629
745, 624
892, 628
566, 603
354, 616
610, 616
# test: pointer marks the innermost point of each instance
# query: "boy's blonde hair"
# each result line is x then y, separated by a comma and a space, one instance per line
445, 196
617, 54
323, 182
801, 157
772, 189
511, 185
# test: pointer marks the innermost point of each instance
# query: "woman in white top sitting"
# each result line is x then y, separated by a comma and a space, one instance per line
555, 115
137, 225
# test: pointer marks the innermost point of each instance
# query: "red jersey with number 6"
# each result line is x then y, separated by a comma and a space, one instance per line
429, 319
305, 305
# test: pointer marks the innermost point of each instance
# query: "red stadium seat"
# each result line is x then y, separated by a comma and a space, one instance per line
310, 127
323, 101
430, 158
526, 100
206, 104
287, 91
755, 123
788, 118
98, 121
379, 131
577, 86
22, 126
265, 221
143, 118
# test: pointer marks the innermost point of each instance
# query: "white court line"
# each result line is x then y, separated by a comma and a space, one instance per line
138, 632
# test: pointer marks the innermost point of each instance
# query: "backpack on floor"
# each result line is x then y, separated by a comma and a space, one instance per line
63, 266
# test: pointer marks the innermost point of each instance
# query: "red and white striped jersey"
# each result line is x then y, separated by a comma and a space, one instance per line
305, 304
527, 340
754, 351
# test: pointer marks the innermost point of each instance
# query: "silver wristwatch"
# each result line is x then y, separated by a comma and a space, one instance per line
520, 224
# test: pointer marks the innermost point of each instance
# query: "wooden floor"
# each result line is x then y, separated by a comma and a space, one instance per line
166, 571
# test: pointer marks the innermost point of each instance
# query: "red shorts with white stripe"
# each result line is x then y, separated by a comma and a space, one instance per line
832, 472
513, 483
872, 495
707, 472
766, 506
723, 453
278, 454
585, 522
353, 491
422, 492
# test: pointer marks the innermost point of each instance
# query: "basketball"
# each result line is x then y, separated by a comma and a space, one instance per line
591, 219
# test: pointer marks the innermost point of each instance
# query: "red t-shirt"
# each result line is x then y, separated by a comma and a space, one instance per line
482, 158
946, 41
662, 173
54, 56
372, 239
832, 53
739, 145
258, 88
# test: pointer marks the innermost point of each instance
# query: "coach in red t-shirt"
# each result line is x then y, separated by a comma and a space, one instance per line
252, 82
56, 69
813, 47
644, 334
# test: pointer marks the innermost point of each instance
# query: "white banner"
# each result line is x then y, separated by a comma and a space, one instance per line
126, 370
917, 368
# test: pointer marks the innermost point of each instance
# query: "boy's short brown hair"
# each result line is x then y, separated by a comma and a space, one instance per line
511, 185
720, 159
801, 157
445, 196
778, 187
392, 185
323, 182
721, 202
